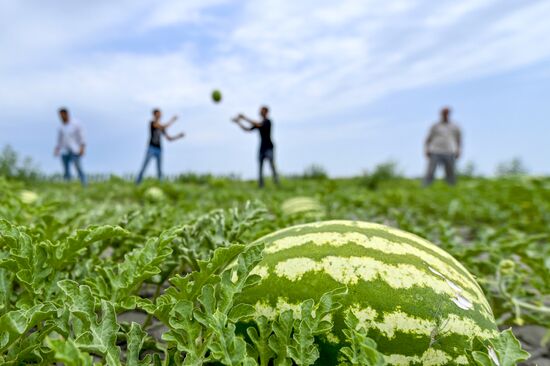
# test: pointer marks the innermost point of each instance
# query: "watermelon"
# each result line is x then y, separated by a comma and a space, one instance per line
302, 206
216, 96
28, 197
419, 304
154, 194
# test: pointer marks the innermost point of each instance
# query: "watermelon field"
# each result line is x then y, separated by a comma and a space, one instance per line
175, 273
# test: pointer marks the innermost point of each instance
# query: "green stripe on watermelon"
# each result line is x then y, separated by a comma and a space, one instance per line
373, 230
417, 312
383, 239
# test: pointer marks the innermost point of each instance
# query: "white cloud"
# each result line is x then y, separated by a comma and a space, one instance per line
449, 13
173, 12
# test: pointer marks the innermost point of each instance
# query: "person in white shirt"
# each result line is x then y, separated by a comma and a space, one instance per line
442, 147
70, 145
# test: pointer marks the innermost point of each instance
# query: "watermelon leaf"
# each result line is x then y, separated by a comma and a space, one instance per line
102, 335
67, 352
203, 324
508, 349
260, 339
362, 349
504, 350
136, 339
279, 340
302, 348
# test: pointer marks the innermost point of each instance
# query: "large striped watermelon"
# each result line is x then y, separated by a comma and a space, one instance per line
421, 306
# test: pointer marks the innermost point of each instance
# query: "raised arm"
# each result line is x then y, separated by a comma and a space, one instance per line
237, 120
251, 121
173, 138
163, 127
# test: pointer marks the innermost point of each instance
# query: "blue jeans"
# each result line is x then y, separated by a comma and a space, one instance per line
68, 158
269, 155
448, 162
152, 152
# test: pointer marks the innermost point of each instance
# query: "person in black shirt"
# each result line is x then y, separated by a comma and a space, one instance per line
266, 145
154, 150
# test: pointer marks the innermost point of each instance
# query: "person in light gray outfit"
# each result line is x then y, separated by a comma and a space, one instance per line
443, 147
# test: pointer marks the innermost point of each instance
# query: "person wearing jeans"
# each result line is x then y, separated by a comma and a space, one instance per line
154, 150
71, 146
443, 147
270, 156
266, 144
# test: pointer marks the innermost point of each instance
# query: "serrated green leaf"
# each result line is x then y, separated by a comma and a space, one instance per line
15, 324
67, 352
281, 338
101, 336
302, 348
362, 349
241, 312
504, 350
80, 303
482, 359
136, 339
186, 334
118, 282
261, 340
508, 349
68, 250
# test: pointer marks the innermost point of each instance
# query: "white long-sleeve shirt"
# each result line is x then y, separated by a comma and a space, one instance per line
70, 137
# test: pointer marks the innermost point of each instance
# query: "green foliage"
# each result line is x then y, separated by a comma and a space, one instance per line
315, 172
361, 349
503, 351
279, 340
200, 308
74, 263
66, 351
468, 170
302, 348
12, 166
382, 173
514, 167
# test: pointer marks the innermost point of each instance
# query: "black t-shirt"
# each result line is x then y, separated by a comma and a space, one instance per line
155, 135
265, 135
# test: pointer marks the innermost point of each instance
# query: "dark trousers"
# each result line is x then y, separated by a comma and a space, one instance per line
68, 158
448, 162
269, 155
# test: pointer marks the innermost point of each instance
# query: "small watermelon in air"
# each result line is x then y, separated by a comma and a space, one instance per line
216, 96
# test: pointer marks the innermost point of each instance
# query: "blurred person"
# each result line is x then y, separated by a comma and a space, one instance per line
70, 145
154, 150
266, 144
443, 147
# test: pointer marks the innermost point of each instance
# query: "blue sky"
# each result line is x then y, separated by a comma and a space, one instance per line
350, 83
